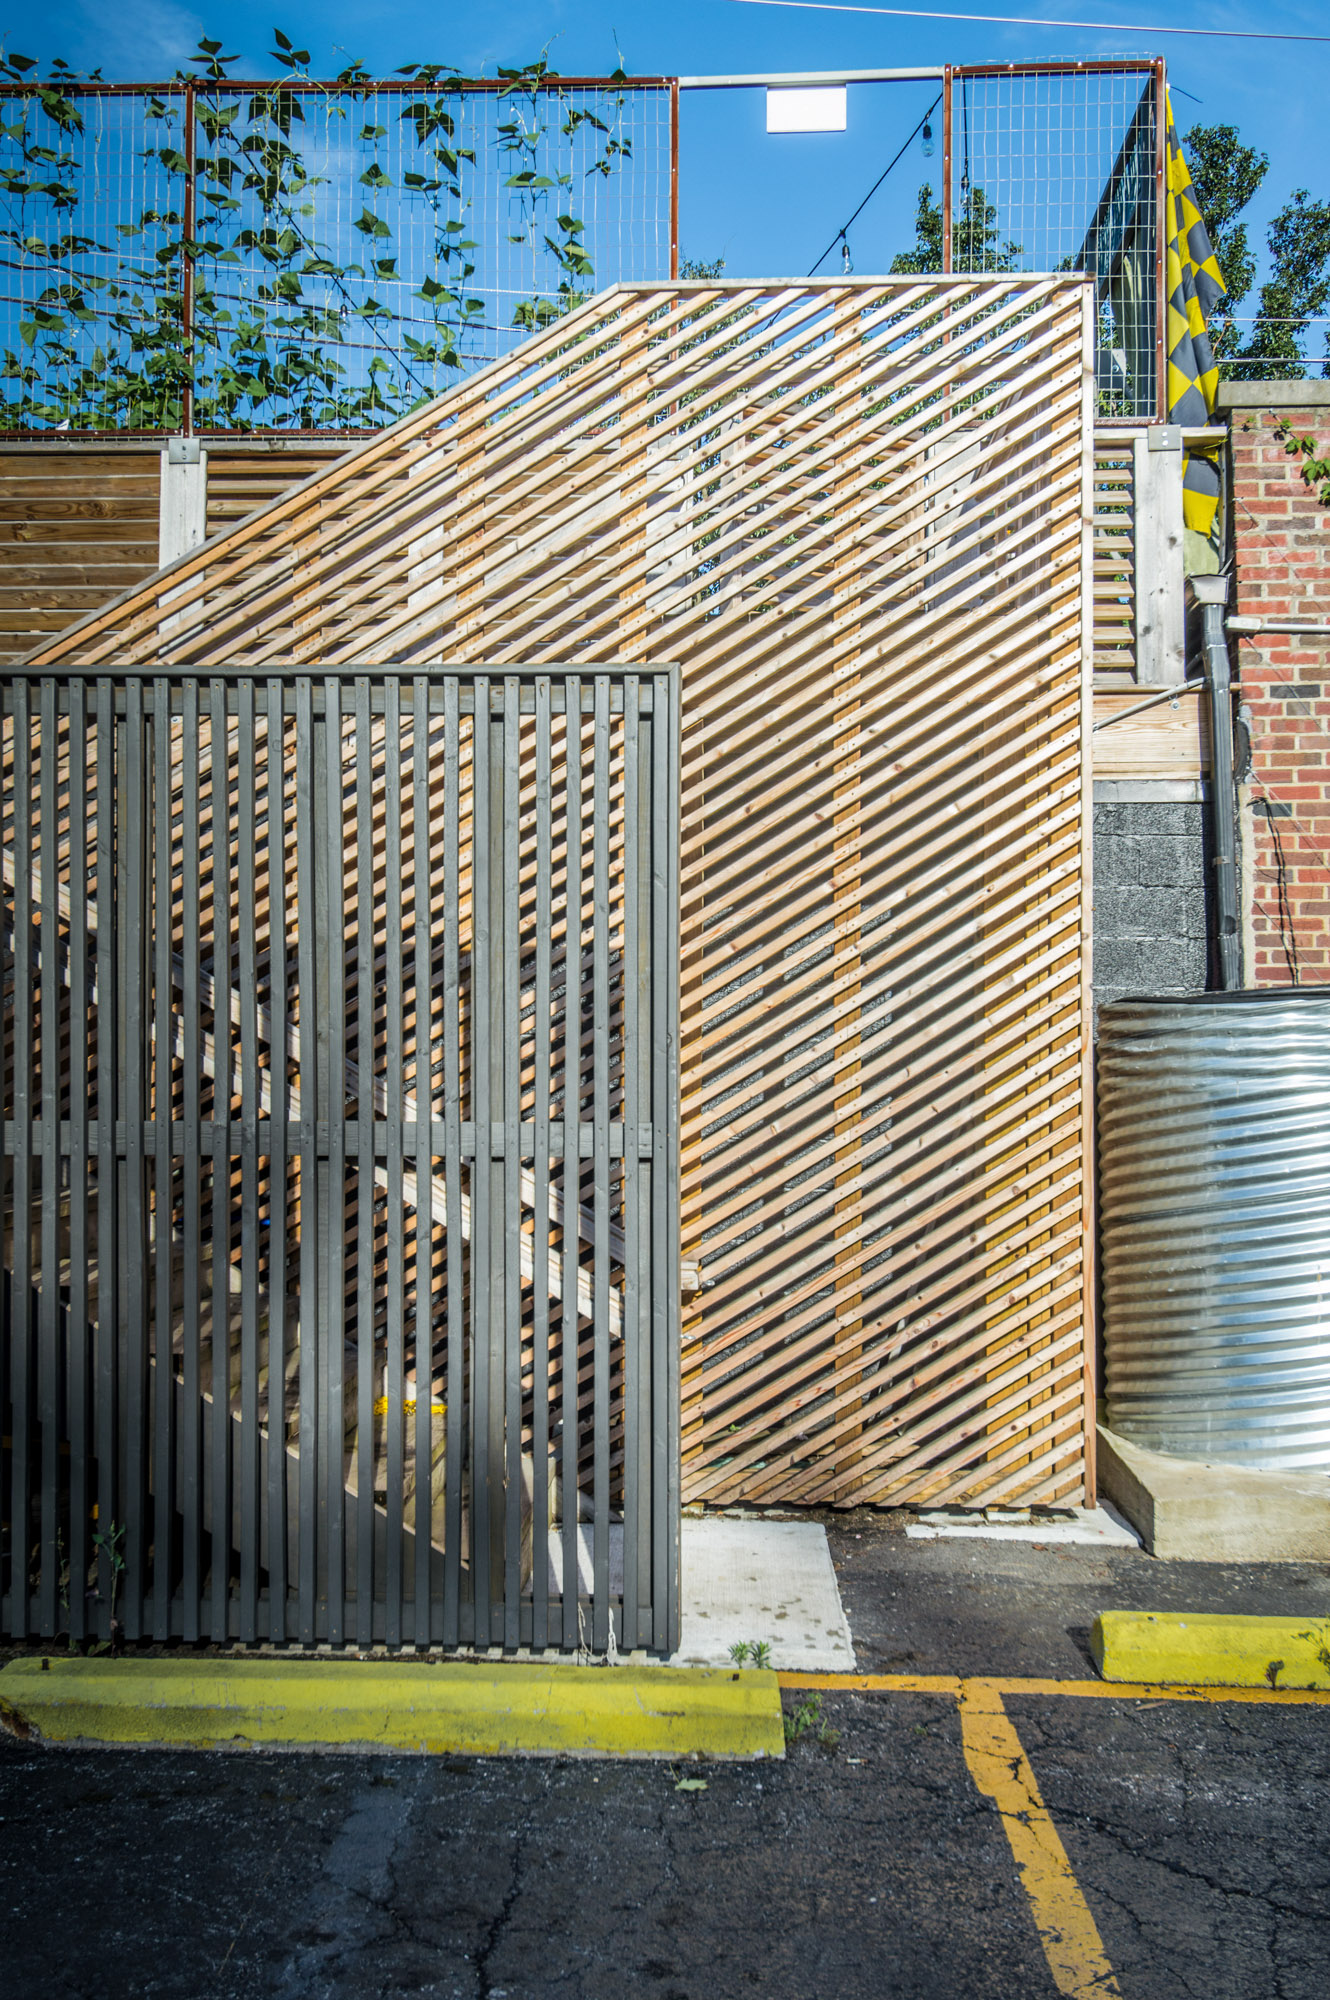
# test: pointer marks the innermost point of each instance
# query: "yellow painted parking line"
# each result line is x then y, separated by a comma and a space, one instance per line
1152, 1691
875, 1683
1017, 1684
1001, 1770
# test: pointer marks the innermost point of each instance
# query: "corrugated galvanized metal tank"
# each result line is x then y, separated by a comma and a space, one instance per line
1214, 1175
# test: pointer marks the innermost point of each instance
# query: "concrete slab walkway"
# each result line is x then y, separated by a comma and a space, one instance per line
747, 1580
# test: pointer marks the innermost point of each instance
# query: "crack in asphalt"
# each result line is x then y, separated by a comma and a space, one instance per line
485, 1989
1117, 1838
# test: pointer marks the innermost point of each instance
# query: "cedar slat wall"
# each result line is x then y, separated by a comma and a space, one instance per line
858, 514
79, 522
78, 525
244, 475
1114, 561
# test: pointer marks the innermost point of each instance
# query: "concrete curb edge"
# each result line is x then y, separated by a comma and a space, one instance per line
466, 1709
1211, 1649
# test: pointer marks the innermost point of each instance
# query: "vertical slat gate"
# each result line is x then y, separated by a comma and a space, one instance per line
340, 1157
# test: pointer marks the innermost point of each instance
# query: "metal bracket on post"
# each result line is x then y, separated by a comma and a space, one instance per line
1160, 623
183, 502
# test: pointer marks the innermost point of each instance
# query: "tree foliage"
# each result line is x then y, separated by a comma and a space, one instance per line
305, 312
974, 237
1227, 175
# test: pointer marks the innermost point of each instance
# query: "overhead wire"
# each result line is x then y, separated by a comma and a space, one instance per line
839, 237
1032, 21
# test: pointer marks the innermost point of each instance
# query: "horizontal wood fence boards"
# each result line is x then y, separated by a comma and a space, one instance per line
242, 475
340, 1151
861, 515
80, 521
1114, 561
78, 525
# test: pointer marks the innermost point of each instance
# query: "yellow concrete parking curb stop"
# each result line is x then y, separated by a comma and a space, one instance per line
1211, 1649
470, 1709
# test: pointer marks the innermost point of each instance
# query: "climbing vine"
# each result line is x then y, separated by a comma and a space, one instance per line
291, 254
1315, 468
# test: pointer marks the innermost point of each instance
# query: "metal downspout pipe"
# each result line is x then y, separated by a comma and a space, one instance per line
1210, 595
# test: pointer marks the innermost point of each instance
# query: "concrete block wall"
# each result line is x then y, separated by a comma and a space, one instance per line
1281, 544
1151, 883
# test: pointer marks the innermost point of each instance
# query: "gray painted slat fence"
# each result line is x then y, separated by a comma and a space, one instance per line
340, 1174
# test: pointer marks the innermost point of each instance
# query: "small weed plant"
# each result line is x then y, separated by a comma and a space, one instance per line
751, 1653
110, 1544
805, 1723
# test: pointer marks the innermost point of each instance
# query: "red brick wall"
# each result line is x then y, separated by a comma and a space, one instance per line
1281, 536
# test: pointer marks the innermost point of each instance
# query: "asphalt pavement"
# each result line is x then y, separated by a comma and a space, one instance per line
867, 1865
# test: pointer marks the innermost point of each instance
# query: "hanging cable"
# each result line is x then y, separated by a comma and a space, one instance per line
839, 237
1036, 21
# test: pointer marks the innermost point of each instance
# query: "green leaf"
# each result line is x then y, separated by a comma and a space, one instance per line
370, 224
691, 1785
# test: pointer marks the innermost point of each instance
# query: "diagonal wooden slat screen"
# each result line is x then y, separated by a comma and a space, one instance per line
858, 515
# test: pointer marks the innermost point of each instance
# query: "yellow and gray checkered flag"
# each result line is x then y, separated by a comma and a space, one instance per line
1195, 288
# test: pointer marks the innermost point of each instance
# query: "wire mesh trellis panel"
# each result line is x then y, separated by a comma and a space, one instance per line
1056, 169
859, 514
354, 246
340, 1211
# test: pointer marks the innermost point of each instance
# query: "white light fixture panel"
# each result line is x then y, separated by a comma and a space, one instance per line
819, 108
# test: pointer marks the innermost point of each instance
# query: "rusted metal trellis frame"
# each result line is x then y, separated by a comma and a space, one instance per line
341, 1195
187, 91
1154, 73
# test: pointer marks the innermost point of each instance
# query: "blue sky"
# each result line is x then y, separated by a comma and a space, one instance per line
768, 205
